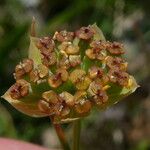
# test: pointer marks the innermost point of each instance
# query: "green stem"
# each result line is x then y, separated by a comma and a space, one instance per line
76, 134
61, 136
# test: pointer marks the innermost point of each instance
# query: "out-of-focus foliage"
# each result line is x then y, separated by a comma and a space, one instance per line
125, 126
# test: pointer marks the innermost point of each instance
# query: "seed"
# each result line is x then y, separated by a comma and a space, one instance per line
68, 98
24, 67
34, 75
49, 59
55, 80
97, 92
79, 78
77, 75
95, 71
50, 97
19, 89
95, 54
85, 33
19, 72
90, 54
116, 62
100, 98
83, 107
57, 108
63, 74
64, 63
94, 87
105, 79
42, 70
46, 43
83, 84
100, 45
79, 95
118, 76
27, 65
74, 60
69, 48
63, 36
72, 49
115, 48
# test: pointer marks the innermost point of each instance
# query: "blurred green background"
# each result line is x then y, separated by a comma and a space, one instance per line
126, 126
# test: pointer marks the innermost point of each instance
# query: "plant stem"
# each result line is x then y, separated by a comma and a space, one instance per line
61, 136
76, 134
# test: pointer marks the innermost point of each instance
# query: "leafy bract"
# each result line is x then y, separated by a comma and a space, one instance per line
34, 52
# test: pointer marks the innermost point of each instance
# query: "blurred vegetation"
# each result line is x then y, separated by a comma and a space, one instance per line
126, 125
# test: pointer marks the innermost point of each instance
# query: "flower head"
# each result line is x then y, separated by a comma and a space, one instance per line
69, 74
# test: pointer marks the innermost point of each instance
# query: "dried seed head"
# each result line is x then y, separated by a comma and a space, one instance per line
69, 48
19, 89
90, 54
77, 75
94, 87
79, 95
72, 49
57, 79
19, 72
34, 76
63, 36
116, 62
97, 93
68, 98
83, 84
63, 74
83, 107
95, 71
101, 98
42, 71
56, 108
46, 44
100, 45
24, 67
27, 65
118, 76
64, 63
85, 33
49, 59
50, 97
115, 48
50, 108
105, 79
79, 78
82, 63
74, 60
95, 54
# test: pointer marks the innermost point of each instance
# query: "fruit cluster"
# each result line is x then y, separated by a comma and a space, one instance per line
78, 70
